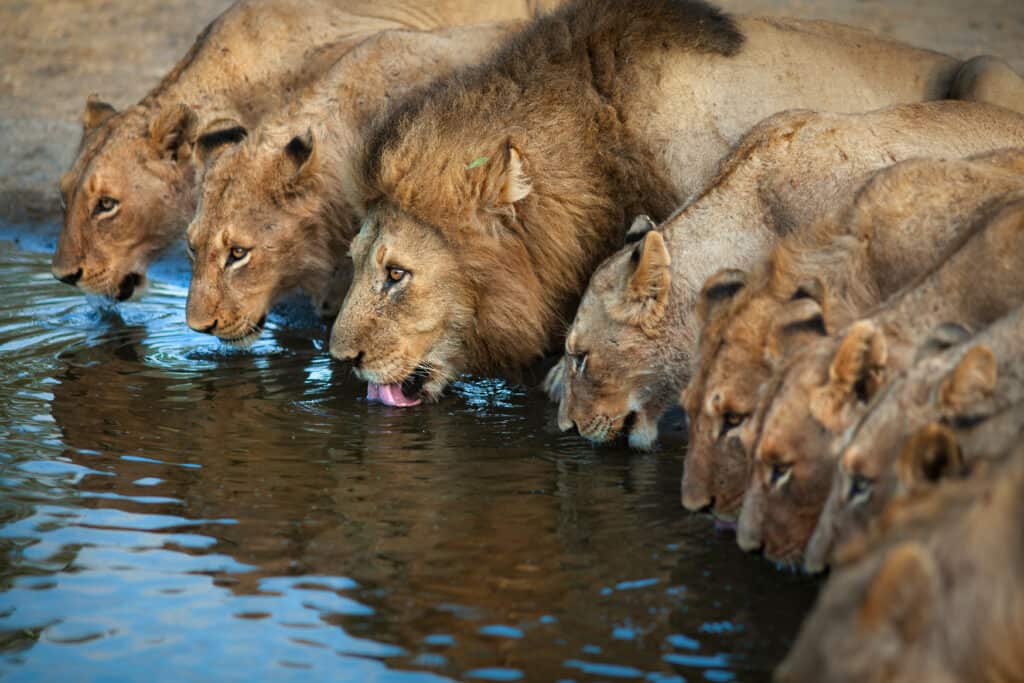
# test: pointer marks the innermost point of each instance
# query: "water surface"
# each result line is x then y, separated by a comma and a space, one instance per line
174, 510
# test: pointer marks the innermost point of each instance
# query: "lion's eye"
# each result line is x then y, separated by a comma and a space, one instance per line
394, 276
859, 490
105, 205
237, 254
579, 361
780, 474
190, 250
731, 420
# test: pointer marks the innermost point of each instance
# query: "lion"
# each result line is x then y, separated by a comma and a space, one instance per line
935, 596
132, 189
821, 390
897, 226
516, 177
786, 173
909, 435
277, 210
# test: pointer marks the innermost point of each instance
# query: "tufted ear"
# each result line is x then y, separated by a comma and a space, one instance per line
857, 369
215, 137
930, 455
964, 392
648, 286
719, 289
642, 225
173, 130
500, 179
96, 113
943, 337
902, 592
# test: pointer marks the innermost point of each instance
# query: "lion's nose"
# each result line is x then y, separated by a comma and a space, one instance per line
205, 329
353, 357
69, 278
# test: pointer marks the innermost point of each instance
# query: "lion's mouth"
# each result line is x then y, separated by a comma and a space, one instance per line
404, 394
249, 337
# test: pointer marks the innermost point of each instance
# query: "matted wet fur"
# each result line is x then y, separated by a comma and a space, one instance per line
511, 180
899, 224
822, 389
286, 196
892, 448
934, 596
131, 190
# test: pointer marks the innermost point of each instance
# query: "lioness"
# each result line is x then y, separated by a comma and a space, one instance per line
786, 173
131, 191
898, 225
959, 386
277, 211
936, 596
820, 391
496, 192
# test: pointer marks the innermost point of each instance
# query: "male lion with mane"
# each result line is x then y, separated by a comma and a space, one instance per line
131, 190
495, 193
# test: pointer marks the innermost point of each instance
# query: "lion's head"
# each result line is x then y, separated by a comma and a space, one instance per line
749, 323
613, 376
128, 196
804, 410
265, 225
892, 448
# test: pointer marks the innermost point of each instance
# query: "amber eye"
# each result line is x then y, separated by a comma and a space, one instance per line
394, 276
779, 474
732, 419
237, 254
105, 205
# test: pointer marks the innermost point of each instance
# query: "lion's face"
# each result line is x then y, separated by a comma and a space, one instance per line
128, 197
803, 413
613, 374
402, 322
259, 233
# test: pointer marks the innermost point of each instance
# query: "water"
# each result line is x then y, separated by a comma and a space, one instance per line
172, 510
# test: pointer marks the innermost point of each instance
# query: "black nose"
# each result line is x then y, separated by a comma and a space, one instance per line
71, 278
355, 360
127, 286
209, 328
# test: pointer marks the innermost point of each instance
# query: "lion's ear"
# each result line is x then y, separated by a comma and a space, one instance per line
902, 592
215, 137
299, 160
857, 369
800, 317
929, 455
965, 393
503, 180
647, 289
173, 130
96, 113
719, 289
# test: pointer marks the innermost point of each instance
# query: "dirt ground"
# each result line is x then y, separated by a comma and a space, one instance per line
54, 53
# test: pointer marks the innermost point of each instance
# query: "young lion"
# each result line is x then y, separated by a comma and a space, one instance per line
820, 391
278, 210
498, 190
960, 386
788, 171
131, 191
936, 596
898, 225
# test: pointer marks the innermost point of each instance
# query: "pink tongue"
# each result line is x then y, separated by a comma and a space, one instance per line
390, 395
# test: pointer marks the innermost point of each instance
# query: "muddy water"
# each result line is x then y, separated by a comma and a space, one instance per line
174, 510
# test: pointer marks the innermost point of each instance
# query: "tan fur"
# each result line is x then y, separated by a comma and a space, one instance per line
645, 129
934, 596
787, 173
247, 63
882, 453
898, 225
298, 215
826, 386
